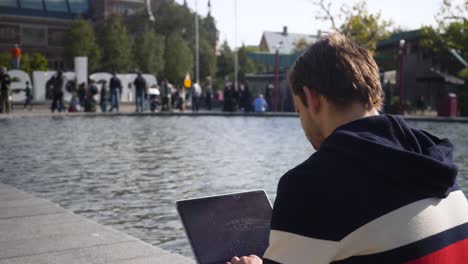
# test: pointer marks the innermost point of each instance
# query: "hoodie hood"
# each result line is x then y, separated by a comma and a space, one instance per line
387, 146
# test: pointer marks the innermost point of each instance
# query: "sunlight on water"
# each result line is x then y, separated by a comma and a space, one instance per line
127, 172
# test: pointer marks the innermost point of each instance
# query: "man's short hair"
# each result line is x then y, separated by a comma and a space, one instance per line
340, 70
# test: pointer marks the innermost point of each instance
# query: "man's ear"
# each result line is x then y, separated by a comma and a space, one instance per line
312, 98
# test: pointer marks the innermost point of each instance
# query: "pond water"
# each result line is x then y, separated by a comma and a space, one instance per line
127, 172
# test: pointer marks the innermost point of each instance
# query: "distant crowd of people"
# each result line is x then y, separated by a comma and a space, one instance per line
106, 95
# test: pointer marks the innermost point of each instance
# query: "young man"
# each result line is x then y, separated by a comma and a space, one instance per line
376, 190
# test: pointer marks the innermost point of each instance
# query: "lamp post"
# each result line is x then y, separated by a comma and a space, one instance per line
197, 46
277, 65
236, 58
150, 12
401, 78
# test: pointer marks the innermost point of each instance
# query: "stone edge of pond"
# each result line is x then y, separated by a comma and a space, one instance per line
35, 230
215, 114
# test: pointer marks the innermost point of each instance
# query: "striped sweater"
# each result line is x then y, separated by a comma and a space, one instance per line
376, 191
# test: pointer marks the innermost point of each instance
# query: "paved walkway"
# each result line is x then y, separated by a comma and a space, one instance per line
34, 230
42, 110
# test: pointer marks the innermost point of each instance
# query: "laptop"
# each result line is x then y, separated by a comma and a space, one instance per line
221, 227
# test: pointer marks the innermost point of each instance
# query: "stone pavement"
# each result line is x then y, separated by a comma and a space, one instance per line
34, 230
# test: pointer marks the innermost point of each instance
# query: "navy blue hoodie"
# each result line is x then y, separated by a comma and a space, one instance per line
376, 191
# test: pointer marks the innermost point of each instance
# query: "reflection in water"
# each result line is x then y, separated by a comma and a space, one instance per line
127, 172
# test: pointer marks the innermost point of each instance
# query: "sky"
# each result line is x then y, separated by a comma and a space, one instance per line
257, 16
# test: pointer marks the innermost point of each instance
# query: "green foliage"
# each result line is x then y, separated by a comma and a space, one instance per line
81, 41
450, 33
301, 45
225, 61
207, 60
246, 64
149, 53
39, 62
25, 64
174, 18
178, 58
363, 27
208, 25
6, 60
115, 45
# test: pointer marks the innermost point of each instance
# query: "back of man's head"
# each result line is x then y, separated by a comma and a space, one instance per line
340, 70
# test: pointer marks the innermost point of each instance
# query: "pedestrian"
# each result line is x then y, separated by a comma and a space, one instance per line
82, 92
141, 92
182, 98
16, 54
5, 82
209, 97
28, 97
58, 82
103, 96
90, 102
74, 105
115, 91
260, 105
228, 97
376, 190
245, 98
166, 95
196, 94
269, 94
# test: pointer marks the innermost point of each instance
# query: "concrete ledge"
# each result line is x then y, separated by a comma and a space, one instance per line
208, 113
34, 230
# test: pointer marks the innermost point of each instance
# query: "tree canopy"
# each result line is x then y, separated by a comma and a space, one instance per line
178, 58
115, 44
81, 41
356, 22
149, 53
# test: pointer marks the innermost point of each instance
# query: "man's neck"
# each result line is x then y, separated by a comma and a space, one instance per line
339, 118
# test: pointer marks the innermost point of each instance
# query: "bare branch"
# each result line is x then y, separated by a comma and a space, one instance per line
326, 8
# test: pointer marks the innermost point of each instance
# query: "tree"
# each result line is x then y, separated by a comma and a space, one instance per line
115, 45
39, 62
246, 64
225, 61
209, 26
451, 33
6, 60
178, 57
363, 27
208, 65
301, 45
81, 41
25, 64
149, 53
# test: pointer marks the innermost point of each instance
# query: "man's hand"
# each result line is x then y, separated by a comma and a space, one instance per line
252, 259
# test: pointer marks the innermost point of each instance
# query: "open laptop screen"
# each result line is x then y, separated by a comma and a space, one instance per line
221, 227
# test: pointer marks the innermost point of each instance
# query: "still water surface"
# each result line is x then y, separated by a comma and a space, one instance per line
127, 172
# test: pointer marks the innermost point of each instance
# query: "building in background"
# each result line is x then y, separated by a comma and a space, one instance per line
285, 42
41, 25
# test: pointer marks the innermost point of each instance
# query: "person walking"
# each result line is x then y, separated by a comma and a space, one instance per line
141, 91
196, 94
5, 82
115, 91
90, 102
375, 190
28, 97
245, 98
103, 96
166, 96
58, 84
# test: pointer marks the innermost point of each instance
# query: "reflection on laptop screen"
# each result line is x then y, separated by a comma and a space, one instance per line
221, 227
